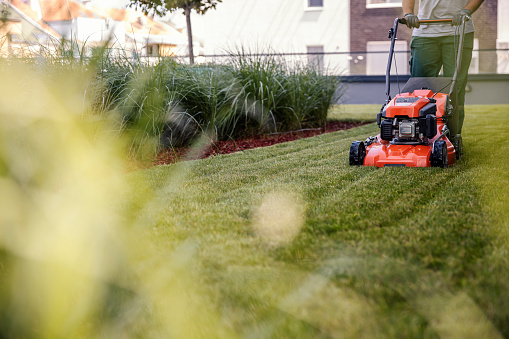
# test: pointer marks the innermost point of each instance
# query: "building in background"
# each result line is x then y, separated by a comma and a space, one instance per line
343, 37
48, 22
22, 30
370, 21
77, 23
143, 34
304, 27
324, 32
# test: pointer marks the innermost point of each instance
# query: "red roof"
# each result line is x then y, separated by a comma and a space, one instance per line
65, 10
136, 22
25, 10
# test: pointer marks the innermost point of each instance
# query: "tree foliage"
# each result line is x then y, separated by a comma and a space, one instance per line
161, 7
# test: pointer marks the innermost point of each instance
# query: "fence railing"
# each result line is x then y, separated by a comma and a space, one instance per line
484, 61
345, 63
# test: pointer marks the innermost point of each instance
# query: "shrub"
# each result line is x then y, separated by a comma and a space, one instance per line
250, 94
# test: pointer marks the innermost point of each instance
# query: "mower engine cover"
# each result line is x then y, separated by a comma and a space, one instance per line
406, 105
416, 104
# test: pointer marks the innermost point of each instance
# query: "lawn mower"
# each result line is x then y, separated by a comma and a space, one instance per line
413, 124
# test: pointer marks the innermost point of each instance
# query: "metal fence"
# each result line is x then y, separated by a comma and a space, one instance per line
484, 61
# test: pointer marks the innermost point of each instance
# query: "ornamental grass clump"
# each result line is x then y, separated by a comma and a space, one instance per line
251, 94
308, 97
205, 103
286, 95
261, 77
135, 95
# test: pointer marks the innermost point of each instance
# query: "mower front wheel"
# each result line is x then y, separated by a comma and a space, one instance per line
357, 153
439, 154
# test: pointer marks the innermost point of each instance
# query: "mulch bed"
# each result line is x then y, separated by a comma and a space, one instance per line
170, 156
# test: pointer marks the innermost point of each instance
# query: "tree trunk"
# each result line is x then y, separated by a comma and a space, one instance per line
187, 11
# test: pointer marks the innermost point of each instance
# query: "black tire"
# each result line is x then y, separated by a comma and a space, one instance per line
439, 154
357, 153
458, 146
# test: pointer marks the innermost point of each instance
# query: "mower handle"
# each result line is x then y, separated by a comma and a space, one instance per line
430, 21
392, 35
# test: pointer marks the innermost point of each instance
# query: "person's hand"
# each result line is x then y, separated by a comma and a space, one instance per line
457, 17
412, 20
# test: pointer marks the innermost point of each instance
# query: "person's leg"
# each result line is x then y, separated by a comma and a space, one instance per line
425, 58
449, 45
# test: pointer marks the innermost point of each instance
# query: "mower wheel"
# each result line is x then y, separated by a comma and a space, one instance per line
439, 154
357, 153
458, 146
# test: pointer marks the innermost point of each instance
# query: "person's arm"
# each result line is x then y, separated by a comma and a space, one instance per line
408, 11
473, 5
469, 9
409, 5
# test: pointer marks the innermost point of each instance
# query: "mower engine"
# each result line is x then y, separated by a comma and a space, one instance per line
409, 120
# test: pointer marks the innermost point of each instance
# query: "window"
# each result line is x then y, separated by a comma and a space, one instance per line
313, 5
382, 3
153, 50
474, 64
315, 56
16, 38
502, 56
376, 63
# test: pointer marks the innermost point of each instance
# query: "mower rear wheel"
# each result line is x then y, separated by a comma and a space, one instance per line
439, 154
357, 153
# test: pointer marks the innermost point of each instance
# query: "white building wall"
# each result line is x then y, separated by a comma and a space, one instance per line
115, 32
90, 30
64, 28
282, 26
503, 23
503, 36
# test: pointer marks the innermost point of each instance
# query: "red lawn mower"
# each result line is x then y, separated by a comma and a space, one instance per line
413, 129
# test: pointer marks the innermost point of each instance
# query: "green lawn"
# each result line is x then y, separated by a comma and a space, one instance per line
354, 112
290, 241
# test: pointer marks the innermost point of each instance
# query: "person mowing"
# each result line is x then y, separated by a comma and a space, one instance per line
433, 47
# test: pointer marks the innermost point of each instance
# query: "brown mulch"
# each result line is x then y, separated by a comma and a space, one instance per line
170, 156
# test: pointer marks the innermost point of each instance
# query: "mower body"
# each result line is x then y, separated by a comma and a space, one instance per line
412, 125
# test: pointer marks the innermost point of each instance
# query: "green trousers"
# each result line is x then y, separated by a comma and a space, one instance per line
429, 55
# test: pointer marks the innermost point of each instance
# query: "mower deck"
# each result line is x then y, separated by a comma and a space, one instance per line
382, 154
